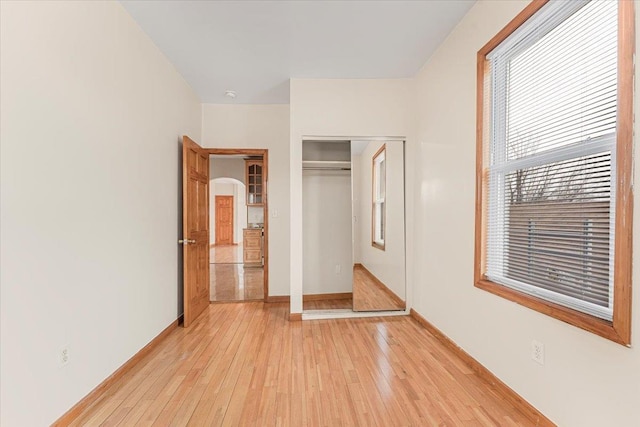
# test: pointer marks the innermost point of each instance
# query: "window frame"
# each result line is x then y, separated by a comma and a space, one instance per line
378, 243
619, 329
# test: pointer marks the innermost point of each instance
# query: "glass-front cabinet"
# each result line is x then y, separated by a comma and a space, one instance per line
254, 182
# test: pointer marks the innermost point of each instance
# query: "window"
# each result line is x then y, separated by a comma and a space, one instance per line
378, 208
553, 210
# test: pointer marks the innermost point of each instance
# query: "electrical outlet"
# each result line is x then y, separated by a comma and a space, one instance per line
537, 352
63, 355
338, 268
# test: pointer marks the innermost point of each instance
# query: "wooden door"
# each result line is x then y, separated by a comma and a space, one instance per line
224, 220
195, 228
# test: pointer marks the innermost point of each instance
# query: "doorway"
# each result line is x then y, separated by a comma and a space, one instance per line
224, 220
238, 256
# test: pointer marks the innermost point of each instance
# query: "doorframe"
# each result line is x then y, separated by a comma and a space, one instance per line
265, 197
233, 220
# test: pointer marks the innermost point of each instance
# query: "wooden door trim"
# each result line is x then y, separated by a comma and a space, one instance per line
233, 223
265, 197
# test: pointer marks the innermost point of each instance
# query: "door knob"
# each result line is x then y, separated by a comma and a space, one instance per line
186, 242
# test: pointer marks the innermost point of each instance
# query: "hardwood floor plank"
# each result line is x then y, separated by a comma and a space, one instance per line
99, 413
374, 368
341, 405
371, 402
246, 364
163, 391
135, 414
279, 396
292, 399
259, 379
176, 410
194, 409
131, 381
227, 408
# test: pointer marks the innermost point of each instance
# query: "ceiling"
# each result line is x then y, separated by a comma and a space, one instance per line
255, 47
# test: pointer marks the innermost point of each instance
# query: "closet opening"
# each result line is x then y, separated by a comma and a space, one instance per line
353, 227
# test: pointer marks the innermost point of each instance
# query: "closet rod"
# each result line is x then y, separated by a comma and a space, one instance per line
319, 168
327, 163
338, 162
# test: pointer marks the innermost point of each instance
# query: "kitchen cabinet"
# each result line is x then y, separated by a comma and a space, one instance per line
254, 182
252, 247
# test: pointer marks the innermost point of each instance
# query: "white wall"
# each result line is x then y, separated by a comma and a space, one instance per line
327, 255
586, 380
255, 215
387, 265
260, 126
92, 114
350, 108
229, 167
240, 212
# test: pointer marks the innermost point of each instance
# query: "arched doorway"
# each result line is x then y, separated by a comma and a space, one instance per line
228, 197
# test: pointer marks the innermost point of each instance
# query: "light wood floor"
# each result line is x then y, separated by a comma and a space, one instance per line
226, 254
246, 364
234, 282
331, 304
371, 296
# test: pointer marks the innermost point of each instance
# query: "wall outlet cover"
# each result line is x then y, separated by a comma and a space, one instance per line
63, 355
537, 352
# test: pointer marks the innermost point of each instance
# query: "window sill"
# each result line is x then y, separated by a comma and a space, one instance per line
584, 321
377, 245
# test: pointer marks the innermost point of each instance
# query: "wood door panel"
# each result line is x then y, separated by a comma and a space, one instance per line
195, 198
252, 256
224, 220
252, 241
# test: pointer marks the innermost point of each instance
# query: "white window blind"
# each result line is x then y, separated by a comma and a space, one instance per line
551, 156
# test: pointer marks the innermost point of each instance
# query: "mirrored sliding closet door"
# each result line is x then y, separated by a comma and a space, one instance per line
378, 212
353, 225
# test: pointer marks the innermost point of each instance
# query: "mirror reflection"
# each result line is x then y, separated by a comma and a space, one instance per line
377, 174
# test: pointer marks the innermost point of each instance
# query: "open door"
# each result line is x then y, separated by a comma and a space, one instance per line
195, 229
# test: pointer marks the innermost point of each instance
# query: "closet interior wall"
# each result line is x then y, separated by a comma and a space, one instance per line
326, 216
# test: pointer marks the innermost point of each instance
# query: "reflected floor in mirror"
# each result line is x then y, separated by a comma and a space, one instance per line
234, 282
226, 254
331, 304
371, 295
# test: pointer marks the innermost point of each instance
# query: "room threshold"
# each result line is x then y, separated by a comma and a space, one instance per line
348, 314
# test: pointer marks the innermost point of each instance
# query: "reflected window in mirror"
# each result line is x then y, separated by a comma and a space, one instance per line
378, 193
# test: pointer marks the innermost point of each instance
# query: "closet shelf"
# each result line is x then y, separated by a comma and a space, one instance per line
326, 164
